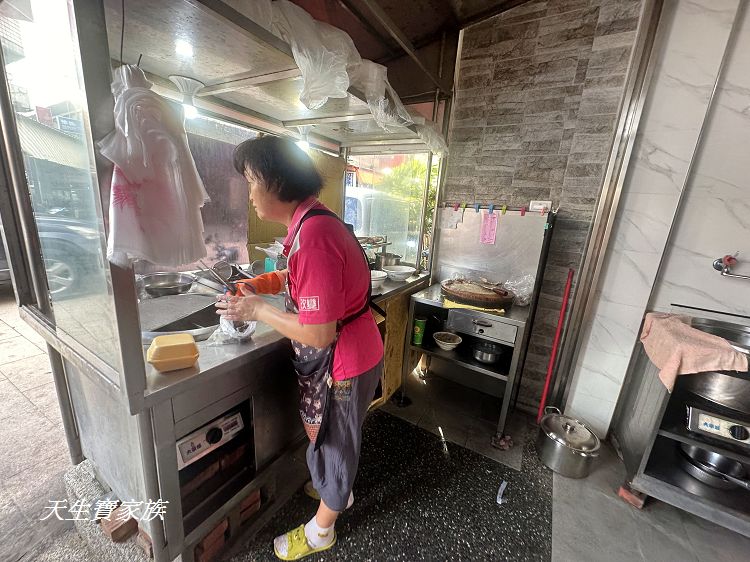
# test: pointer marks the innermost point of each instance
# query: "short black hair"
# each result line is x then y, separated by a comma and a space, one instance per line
282, 165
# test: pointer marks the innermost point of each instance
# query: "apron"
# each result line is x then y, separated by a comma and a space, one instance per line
314, 366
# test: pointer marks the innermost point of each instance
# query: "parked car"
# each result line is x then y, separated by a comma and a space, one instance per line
71, 249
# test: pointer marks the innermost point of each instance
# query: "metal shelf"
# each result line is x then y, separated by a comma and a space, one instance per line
459, 357
666, 481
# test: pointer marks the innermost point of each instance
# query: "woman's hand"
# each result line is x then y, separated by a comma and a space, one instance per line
240, 309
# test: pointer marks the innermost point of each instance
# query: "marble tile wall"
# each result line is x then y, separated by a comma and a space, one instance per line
688, 64
537, 97
714, 218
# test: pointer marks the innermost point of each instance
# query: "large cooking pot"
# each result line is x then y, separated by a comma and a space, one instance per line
386, 259
566, 445
726, 391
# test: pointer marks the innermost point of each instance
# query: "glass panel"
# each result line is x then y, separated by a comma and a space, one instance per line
47, 92
212, 143
384, 196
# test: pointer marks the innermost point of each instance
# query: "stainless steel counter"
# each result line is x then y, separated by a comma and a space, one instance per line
393, 288
517, 315
217, 360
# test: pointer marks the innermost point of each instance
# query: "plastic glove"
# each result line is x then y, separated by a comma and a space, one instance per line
266, 284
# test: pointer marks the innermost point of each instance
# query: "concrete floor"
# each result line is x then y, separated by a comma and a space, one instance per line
589, 522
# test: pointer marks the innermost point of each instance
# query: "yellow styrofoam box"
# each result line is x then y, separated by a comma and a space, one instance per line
172, 352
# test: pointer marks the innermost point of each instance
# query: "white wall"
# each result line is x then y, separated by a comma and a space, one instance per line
714, 218
689, 59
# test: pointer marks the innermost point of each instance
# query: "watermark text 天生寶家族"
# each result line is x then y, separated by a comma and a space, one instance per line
103, 509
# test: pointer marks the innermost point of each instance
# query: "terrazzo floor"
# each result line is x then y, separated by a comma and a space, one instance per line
419, 497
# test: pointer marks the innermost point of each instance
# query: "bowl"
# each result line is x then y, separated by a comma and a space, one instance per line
399, 272
377, 278
447, 340
163, 283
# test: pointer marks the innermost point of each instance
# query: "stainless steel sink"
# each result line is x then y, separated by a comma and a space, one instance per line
727, 391
200, 324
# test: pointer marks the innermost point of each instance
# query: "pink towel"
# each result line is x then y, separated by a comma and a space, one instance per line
679, 349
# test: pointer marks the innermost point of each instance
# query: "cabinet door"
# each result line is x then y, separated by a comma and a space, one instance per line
397, 311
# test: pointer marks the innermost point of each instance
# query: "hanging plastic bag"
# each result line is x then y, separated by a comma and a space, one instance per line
231, 332
321, 51
157, 194
385, 105
434, 140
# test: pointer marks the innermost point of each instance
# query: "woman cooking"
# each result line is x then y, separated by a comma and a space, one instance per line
328, 319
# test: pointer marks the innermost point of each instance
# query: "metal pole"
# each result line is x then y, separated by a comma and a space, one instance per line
151, 483
66, 406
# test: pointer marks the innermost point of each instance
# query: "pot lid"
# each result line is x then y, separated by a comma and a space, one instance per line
570, 432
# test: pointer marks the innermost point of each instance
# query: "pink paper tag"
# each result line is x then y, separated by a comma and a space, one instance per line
489, 228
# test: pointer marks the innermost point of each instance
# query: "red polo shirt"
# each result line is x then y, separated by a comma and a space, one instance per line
328, 279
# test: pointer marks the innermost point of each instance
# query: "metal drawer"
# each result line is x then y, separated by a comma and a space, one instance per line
482, 325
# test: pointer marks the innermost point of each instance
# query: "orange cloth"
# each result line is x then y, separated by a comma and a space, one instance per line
679, 349
266, 284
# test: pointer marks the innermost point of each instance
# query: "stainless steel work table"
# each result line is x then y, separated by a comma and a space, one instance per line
516, 318
214, 361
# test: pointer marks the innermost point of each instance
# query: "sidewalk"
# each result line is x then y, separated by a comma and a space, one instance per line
36, 453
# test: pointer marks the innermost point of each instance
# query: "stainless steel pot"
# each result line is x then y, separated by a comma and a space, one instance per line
386, 259
566, 445
487, 352
730, 392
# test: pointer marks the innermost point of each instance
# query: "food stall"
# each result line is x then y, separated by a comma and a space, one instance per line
219, 442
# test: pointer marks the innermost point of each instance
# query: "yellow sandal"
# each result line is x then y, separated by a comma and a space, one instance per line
298, 547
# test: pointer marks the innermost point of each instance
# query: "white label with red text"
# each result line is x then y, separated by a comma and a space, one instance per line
309, 304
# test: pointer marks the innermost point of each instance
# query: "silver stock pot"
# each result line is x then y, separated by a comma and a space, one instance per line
566, 445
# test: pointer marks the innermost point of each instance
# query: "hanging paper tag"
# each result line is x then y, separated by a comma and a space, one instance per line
476, 207
455, 207
505, 208
449, 218
523, 211
489, 228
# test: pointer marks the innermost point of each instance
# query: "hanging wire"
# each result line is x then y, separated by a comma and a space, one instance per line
138, 64
122, 31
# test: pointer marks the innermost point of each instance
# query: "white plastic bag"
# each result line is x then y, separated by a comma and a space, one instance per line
434, 140
228, 333
321, 51
382, 99
157, 194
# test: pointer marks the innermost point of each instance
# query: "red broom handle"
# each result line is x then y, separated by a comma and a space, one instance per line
555, 344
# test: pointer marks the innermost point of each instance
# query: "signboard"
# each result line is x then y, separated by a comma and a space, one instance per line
44, 116
70, 125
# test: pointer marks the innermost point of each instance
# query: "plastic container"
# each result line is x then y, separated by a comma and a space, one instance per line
172, 352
